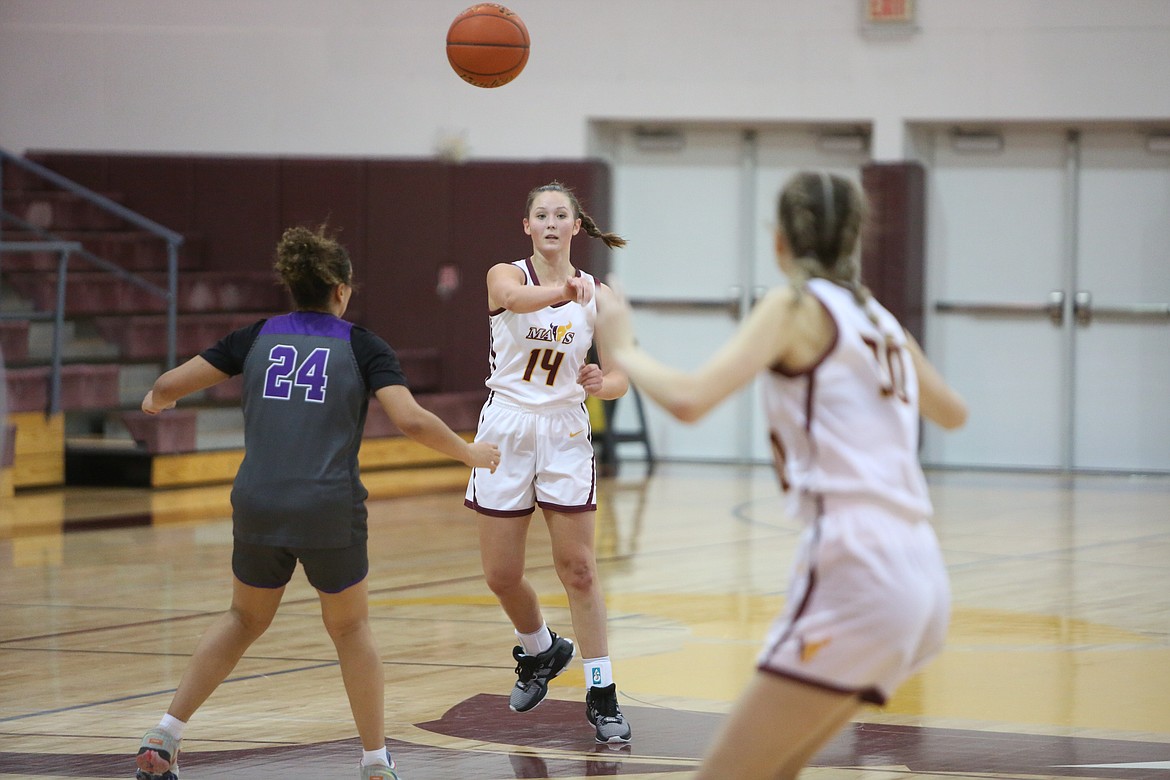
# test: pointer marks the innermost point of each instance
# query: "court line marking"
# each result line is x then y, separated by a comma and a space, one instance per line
149, 694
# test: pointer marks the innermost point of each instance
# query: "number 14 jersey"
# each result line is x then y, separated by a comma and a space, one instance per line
535, 357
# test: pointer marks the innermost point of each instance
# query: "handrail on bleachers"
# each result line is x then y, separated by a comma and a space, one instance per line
174, 241
63, 249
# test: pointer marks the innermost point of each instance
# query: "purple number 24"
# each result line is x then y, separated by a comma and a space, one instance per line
284, 373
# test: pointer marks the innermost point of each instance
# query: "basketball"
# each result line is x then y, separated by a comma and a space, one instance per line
487, 45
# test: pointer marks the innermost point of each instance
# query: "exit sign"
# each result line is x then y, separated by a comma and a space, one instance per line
891, 15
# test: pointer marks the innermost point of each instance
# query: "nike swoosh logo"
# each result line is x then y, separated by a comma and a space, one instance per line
576, 433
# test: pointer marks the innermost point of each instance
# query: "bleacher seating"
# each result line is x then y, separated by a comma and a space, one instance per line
117, 345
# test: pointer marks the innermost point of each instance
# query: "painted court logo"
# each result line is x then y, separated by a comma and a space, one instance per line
557, 334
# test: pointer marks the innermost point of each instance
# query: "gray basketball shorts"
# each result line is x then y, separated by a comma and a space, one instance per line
328, 570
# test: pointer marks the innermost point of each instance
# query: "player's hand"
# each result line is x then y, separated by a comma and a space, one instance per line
579, 289
591, 378
614, 329
149, 406
483, 455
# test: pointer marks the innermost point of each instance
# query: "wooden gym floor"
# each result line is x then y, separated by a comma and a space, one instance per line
1058, 662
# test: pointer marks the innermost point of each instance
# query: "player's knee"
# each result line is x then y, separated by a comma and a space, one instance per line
251, 624
504, 579
577, 574
340, 629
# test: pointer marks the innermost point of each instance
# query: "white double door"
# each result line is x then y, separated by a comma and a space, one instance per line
1048, 302
1048, 281
698, 207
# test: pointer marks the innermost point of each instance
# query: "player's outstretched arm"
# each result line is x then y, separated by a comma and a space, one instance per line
182, 380
604, 379
507, 290
688, 396
937, 401
426, 428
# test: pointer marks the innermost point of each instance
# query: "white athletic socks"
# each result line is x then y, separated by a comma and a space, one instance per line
536, 642
598, 672
372, 757
172, 726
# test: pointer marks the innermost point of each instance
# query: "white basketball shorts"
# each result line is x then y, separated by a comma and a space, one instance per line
868, 603
546, 459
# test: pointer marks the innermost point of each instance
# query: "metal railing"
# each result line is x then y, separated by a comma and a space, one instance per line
49, 242
63, 249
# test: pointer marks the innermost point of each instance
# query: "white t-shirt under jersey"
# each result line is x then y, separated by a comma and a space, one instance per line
848, 427
535, 357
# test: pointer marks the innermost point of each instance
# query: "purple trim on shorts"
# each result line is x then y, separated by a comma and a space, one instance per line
262, 587
871, 694
308, 323
467, 502
358, 581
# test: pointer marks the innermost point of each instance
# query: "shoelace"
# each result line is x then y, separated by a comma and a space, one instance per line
525, 665
606, 709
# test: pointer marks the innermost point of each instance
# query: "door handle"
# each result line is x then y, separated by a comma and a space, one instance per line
1083, 307
1053, 308
1085, 311
683, 305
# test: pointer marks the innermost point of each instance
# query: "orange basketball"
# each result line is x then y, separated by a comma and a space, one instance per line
487, 45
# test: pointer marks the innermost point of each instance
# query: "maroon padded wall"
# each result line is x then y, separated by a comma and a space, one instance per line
408, 227
402, 221
237, 210
314, 192
893, 258
162, 188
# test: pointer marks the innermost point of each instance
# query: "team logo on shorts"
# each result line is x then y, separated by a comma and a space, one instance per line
809, 650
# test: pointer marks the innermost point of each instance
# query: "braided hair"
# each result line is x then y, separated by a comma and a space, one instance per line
611, 239
822, 217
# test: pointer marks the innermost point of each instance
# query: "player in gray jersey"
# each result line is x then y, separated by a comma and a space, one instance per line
844, 387
308, 376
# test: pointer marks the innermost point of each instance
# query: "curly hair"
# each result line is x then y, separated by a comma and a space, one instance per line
311, 264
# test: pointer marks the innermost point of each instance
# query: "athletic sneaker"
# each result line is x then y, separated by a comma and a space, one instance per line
158, 758
379, 772
534, 672
601, 708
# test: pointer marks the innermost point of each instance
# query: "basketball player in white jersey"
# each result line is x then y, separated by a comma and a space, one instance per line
542, 312
843, 386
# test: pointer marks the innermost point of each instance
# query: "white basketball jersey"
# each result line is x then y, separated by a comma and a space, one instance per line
535, 357
848, 427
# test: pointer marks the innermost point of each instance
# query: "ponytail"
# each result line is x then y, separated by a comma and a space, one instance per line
611, 240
